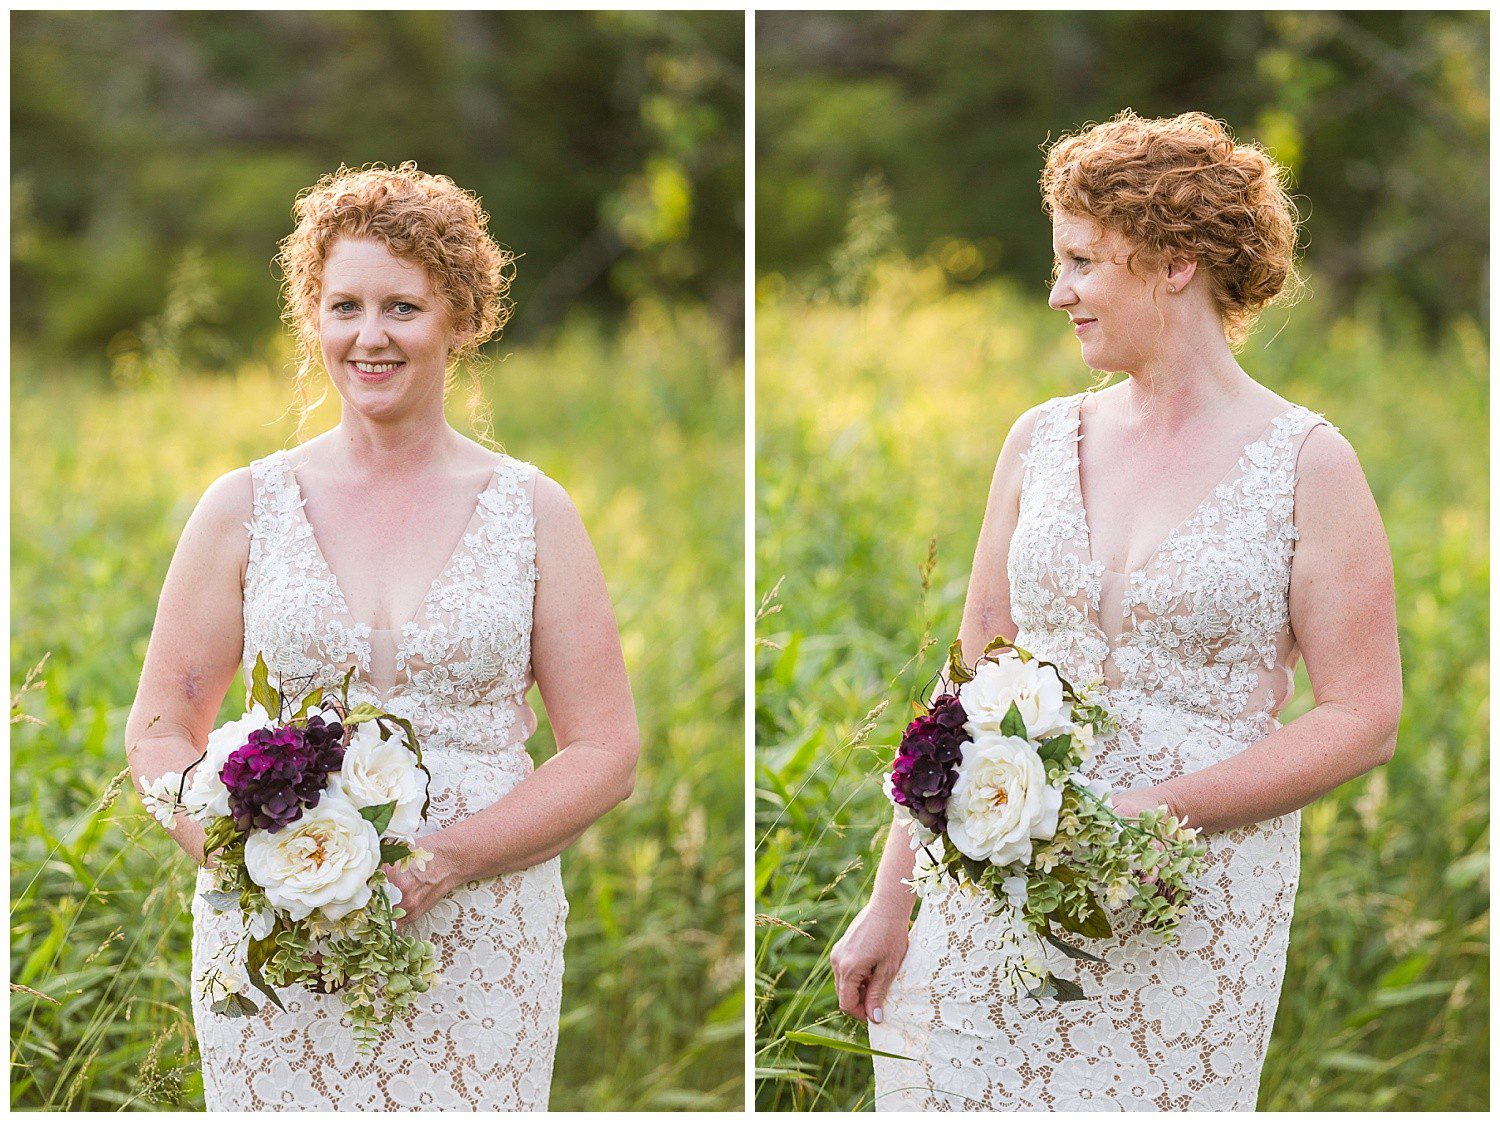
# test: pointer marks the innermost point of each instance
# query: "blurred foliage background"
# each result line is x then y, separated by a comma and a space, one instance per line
156, 156
902, 327
608, 148
1382, 116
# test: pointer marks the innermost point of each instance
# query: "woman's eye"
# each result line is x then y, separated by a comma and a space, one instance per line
1081, 262
402, 308
344, 306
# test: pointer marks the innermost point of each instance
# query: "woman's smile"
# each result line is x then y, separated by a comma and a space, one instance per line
373, 373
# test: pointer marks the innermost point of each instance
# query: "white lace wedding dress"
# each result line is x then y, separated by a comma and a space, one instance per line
483, 1037
1196, 653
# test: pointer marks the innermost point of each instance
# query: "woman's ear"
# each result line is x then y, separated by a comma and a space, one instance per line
1180, 271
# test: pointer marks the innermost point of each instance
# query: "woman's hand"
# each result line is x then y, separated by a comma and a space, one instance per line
867, 958
1130, 804
422, 888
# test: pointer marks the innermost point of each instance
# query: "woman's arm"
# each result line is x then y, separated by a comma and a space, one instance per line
871, 950
196, 643
1343, 612
579, 667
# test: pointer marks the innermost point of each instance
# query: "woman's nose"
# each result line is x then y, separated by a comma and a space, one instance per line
1061, 296
372, 333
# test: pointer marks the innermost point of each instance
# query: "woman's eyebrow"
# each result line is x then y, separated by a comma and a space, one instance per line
409, 297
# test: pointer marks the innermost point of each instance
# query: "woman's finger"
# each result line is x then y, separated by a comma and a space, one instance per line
849, 987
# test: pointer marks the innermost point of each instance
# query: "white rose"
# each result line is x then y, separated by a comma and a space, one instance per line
321, 861
1034, 689
376, 772
206, 796
1001, 800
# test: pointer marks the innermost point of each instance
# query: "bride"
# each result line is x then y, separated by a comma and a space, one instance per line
1182, 536
448, 576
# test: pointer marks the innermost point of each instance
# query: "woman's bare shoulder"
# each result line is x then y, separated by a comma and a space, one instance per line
228, 503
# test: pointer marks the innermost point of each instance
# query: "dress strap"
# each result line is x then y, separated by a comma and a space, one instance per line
274, 513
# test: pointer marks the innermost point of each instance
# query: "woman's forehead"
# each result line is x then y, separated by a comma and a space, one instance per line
365, 261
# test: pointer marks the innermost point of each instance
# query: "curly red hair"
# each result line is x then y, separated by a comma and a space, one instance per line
1184, 186
425, 219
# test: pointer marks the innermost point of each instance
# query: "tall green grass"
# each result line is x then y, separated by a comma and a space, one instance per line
877, 429
643, 426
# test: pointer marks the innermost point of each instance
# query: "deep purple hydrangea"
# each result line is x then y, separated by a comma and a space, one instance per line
280, 771
927, 761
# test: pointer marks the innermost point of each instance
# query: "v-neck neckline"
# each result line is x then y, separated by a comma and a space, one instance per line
432, 586
1182, 524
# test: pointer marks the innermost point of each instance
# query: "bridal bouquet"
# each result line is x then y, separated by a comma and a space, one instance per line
988, 779
302, 807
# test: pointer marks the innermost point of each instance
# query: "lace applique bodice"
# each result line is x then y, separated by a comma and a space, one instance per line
462, 666
1202, 627
1194, 652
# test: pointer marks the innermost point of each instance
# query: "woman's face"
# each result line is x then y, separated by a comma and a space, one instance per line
384, 331
1115, 312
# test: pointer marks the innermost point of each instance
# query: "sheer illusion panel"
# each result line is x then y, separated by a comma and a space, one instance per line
1194, 655
484, 1037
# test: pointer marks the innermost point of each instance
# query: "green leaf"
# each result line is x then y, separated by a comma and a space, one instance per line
958, 673
379, 816
255, 958
1090, 921
839, 1043
1055, 748
998, 643
262, 693
235, 1005
393, 851
221, 901
312, 701
1012, 725
362, 713
1070, 950
1067, 991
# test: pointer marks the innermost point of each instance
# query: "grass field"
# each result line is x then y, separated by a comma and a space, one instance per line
643, 426
877, 430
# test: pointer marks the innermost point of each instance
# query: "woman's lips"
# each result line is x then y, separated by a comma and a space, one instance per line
1079, 325
374, 377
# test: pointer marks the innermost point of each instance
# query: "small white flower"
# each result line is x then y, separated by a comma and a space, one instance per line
160, 797
224, 973
1001, 800
260, 924
206, 796
393, 893
1035, 690
418, 859
320, 862
378, 771
1015, 891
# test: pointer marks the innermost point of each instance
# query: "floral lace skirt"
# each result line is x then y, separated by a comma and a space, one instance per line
1164, 1027
482, 1038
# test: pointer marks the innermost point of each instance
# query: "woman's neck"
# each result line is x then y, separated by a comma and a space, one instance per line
1190, 373
360, 447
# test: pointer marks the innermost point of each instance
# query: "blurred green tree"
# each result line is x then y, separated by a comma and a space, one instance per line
1383, 118
608, 148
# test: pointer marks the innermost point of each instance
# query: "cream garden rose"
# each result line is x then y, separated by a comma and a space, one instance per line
1034, 689
378, 771
321, 862
1001, 800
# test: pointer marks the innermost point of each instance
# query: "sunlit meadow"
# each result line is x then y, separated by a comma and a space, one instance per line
643, 426
878, 424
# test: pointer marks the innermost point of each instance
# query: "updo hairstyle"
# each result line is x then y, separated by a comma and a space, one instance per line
1184, 185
